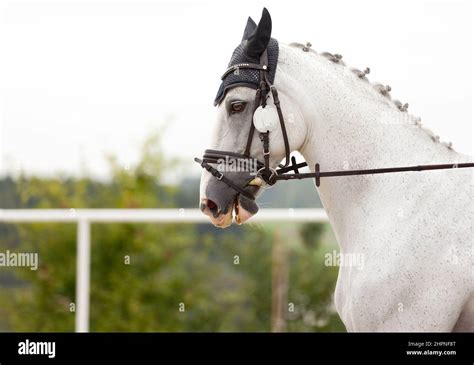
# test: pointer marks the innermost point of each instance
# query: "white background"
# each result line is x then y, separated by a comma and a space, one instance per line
82, 78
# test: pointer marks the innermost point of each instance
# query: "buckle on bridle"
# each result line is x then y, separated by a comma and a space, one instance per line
268, 180
221, 175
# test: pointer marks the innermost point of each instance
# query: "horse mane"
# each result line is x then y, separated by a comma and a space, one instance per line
381, 89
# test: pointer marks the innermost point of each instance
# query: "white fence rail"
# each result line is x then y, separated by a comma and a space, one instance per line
84, 217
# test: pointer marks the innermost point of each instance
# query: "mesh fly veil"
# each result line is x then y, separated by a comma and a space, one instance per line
247, 77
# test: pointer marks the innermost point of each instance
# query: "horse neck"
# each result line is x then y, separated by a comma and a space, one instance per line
351, 125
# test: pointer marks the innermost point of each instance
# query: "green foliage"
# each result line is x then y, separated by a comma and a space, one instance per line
312, 283
311, 234
142, 273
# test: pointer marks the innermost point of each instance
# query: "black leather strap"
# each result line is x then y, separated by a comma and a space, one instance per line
318, 174
276, 101
293, 167
220, 176
266, 149
248, 145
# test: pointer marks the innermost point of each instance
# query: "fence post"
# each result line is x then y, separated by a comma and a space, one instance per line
83, 275
279, 282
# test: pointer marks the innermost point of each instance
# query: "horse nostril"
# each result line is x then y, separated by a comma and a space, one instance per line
213, 208
209, 206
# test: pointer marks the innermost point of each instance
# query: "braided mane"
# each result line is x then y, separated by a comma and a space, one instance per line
382, 89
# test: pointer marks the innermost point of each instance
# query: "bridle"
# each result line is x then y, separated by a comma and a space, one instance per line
269, 175
264, 171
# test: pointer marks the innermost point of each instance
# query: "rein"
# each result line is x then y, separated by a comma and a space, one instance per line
317, 174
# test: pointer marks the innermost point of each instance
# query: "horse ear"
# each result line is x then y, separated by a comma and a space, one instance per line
258, 40
249, 28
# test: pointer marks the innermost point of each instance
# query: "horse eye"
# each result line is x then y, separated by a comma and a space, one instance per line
237, 107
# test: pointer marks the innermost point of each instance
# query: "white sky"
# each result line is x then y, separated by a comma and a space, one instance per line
82, 78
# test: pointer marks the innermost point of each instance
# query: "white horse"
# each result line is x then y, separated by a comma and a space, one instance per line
414, 229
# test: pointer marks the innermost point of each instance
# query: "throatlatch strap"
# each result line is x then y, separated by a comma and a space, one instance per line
276, 101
